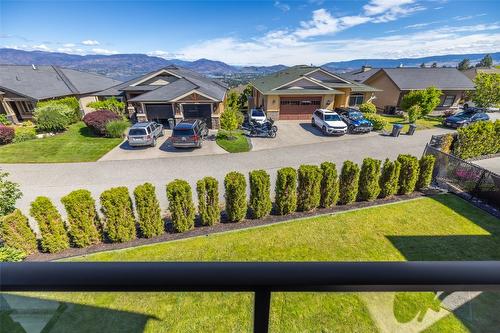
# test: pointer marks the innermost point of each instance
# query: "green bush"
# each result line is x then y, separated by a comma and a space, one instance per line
309, 187
111, 104
260, 197
479, 138
368, 107
369, 187
24, 133
9, 254
208, 200
427, 99
9, 193
348, 183
378, 122
116, 206
235, 187
4, 120
414, 113
389, 178
425, 173
54, 236
329, 185
148, 211
409, 173
180, 205
447, 143
71, 102
83, 221
117, 128
52, 117
16, 233
286, 191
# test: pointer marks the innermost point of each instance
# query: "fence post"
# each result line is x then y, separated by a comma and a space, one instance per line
476, 189
261, 311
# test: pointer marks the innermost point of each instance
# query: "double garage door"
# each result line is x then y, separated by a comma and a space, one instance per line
162, 112
298, 108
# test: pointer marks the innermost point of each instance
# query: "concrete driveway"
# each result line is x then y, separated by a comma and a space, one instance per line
163, 149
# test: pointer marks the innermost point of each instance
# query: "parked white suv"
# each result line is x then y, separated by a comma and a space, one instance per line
329, 122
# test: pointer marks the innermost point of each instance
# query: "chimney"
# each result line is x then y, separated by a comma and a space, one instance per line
366, 68
33, 66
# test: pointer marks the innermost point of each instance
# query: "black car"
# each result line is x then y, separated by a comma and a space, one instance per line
189, 134
464, 118
356, 122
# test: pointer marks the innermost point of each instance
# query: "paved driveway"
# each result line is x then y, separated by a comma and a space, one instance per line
56, 180
492, 164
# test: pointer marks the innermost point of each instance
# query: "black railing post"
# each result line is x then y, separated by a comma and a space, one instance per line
261, 311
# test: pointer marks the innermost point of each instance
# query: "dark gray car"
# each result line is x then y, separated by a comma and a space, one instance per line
144, 134
189, 134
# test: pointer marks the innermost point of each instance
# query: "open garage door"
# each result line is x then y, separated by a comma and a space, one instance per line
159, 113
298, 108
198, 111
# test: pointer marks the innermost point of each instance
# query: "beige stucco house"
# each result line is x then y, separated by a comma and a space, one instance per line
295, 92
21, 87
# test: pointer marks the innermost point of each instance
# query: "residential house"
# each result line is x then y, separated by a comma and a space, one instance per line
172, 92
295, 92
471, 73
394, 83
21, 87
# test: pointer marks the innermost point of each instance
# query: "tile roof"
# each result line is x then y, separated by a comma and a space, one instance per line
50, 81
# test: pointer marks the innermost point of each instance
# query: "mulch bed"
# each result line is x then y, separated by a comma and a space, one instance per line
200, 230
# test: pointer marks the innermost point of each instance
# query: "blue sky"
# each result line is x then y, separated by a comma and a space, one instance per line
254, 32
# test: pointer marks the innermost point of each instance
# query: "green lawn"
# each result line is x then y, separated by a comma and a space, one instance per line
423, 123
440, 228
235, 143
77, 144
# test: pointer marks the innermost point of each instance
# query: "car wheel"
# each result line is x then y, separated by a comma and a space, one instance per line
153, 144
313, 124
350, 129
324, 130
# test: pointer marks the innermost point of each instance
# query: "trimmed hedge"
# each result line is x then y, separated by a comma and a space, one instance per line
24, 133
116, 205
369, 188
52, 117
378, 121
329, 185
348, 183
426, 165
260, 194
409, 173
148, 211
368, 107
389, 178
447, 143
111, 104
16, 233
477, 139
84, 224
180, 205
236, 196
51, 225
309, 187
286, 191
9, 254
7, 135
208, 200
71, 102
98, 120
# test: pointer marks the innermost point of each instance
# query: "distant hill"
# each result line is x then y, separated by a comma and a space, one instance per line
127, 66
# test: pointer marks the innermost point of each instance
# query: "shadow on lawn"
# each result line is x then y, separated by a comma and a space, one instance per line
19, 314
476, 312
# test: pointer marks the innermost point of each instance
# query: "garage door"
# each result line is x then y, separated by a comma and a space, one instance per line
298, 108
159, 113
198, 111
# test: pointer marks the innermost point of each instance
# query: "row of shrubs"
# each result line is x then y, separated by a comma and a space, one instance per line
477, 139
106, 123
304, 189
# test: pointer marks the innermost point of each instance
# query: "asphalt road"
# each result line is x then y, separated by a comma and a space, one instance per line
57, 180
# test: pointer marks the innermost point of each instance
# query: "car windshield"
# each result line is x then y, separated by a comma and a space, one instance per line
331, 117
258, 113
137, 131
464, 114
183, 131
355, 115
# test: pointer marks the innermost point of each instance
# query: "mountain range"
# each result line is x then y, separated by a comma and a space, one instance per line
126, 66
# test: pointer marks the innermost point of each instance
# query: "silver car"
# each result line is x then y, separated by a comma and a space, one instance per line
144, 134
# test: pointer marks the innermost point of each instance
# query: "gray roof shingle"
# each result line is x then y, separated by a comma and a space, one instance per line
421, 78
167, 92
50, 81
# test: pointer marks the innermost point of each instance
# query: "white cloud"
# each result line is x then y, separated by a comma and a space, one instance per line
69, 45
104, 51
468, 17
162, 54
323, 23
90, 42
282, 6
41, 47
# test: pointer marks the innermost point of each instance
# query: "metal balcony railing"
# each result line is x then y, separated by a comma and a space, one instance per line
262, 278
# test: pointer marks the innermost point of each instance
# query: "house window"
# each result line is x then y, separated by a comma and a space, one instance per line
356, 99
448, 100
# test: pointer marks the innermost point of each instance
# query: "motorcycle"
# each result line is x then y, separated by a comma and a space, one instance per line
266, 129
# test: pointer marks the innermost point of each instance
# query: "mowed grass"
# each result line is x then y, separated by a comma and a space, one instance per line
440, 228
77, 144
426, 122
236, 142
